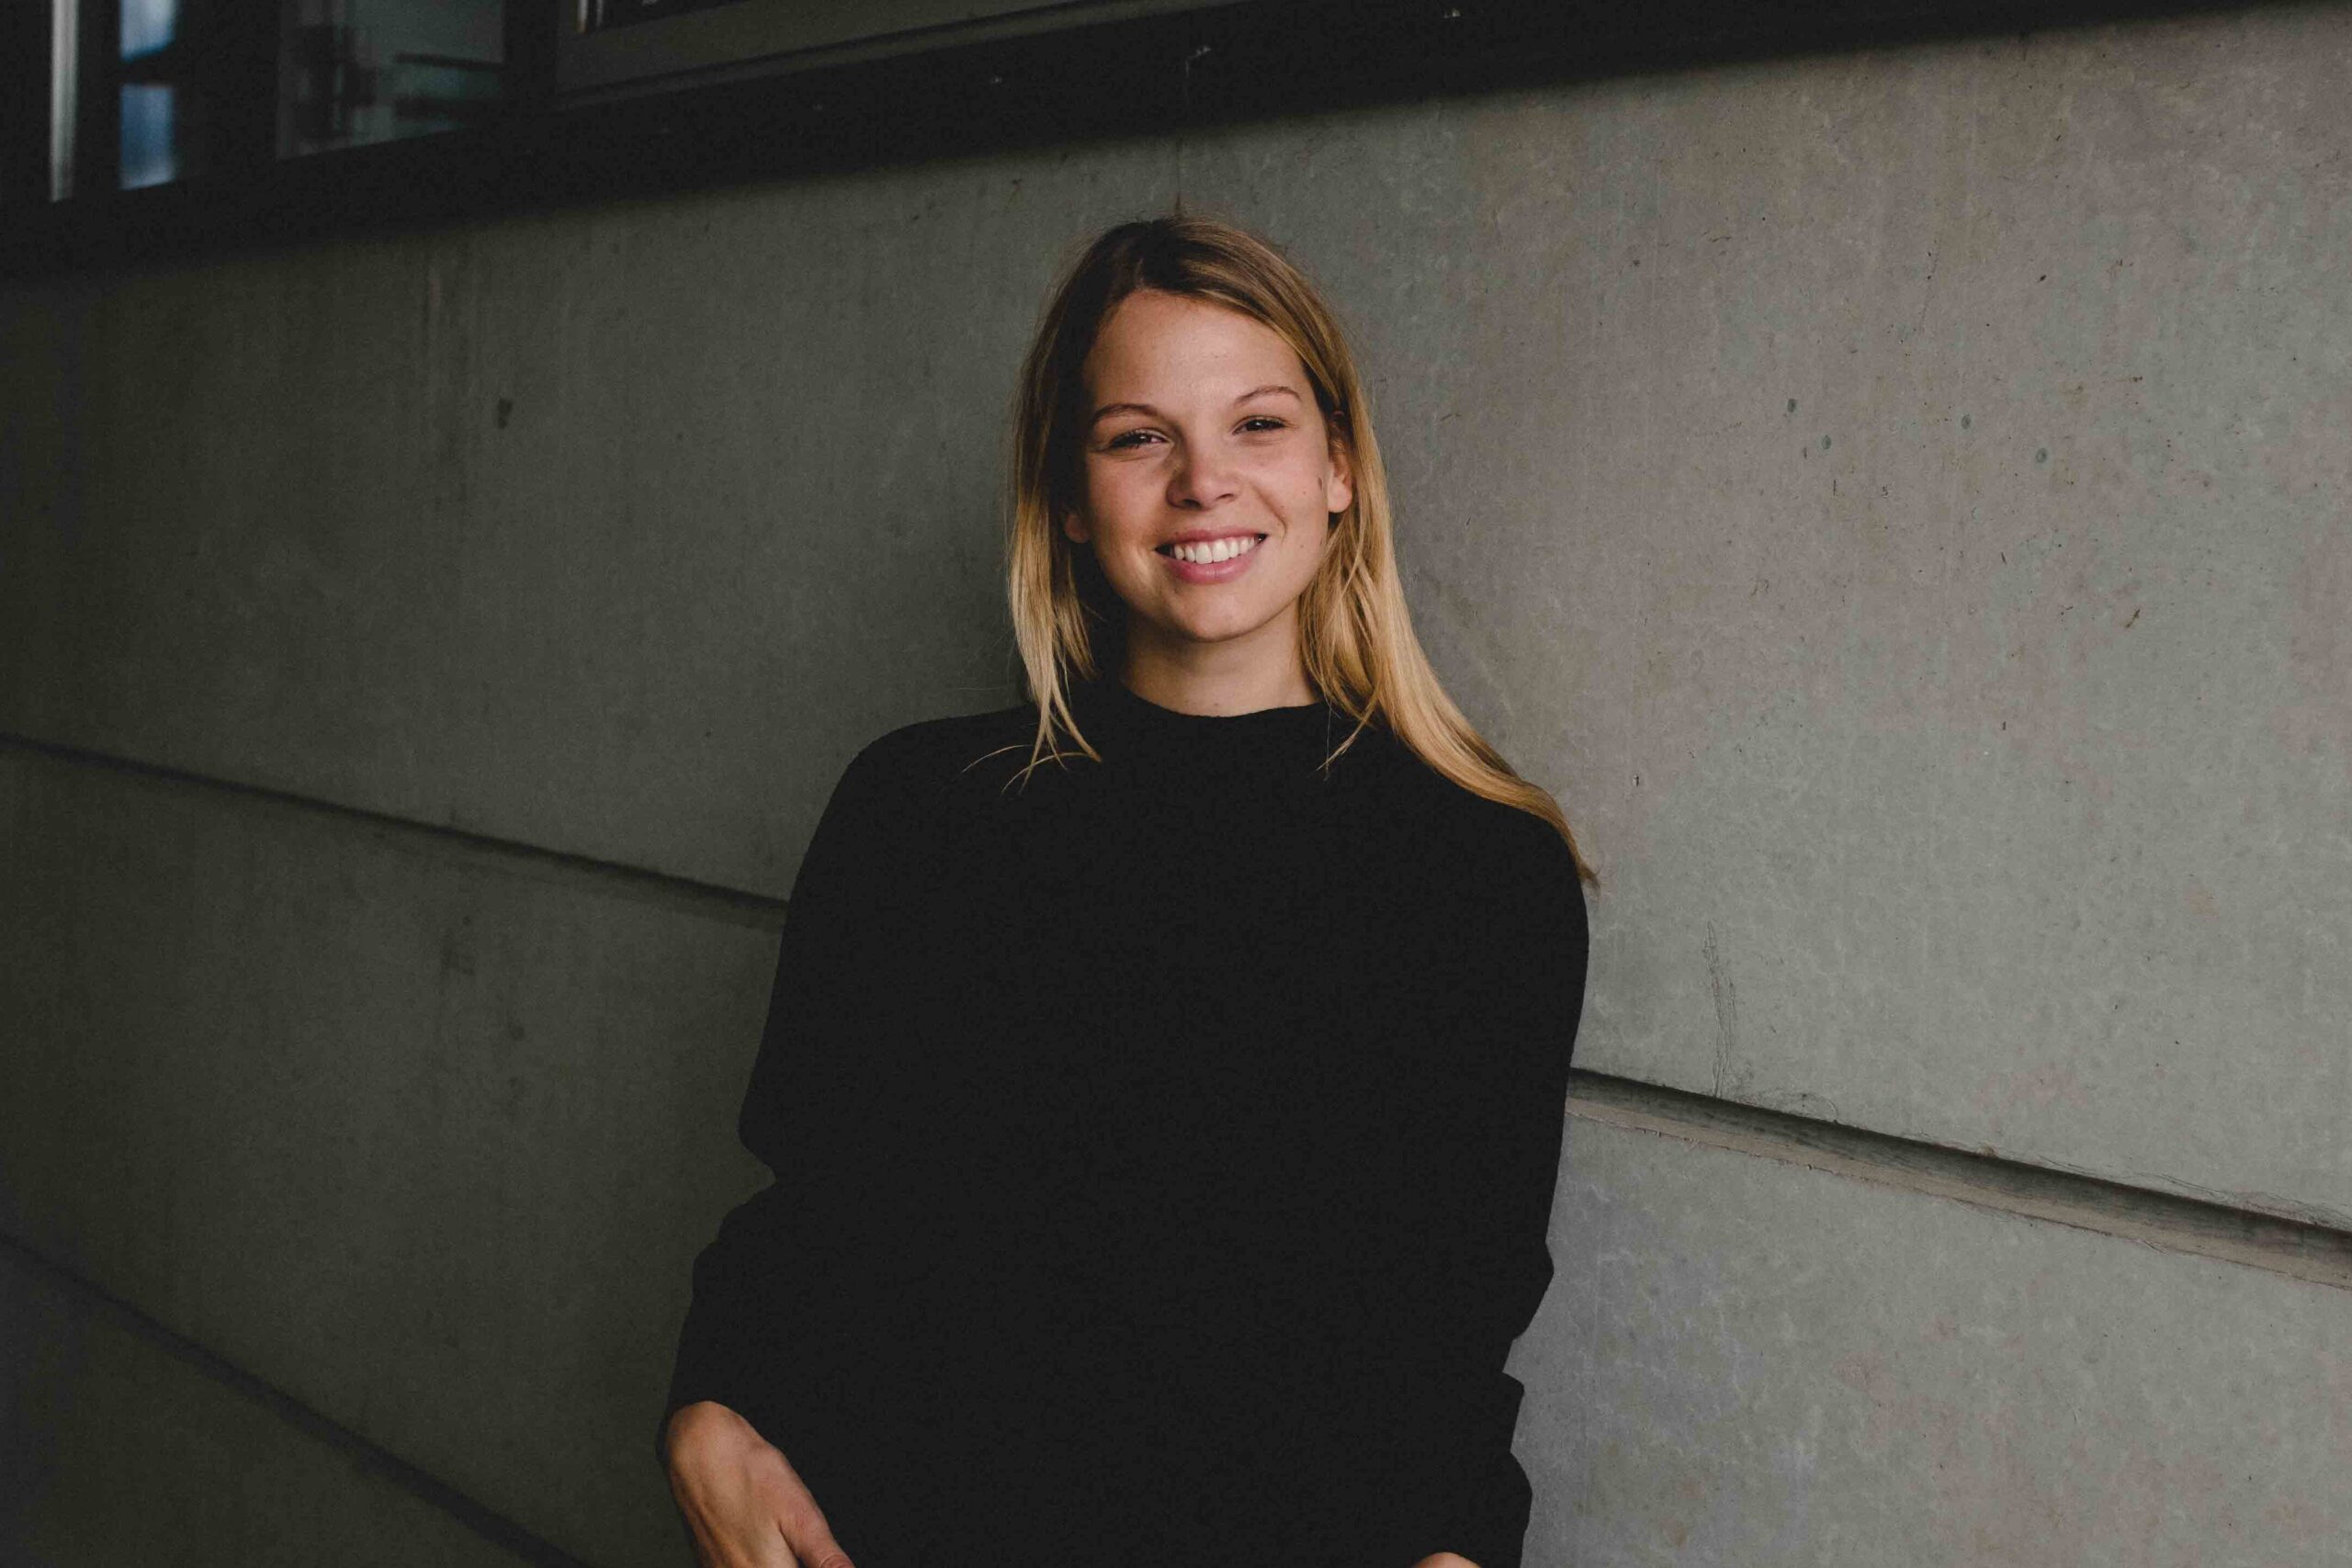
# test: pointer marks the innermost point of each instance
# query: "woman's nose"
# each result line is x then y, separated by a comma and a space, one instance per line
1202, 477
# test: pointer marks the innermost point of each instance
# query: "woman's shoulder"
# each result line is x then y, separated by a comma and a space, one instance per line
928, 739
1480, 847
931, 756
1417, 786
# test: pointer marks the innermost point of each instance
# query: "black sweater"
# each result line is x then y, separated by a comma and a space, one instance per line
1164, 1149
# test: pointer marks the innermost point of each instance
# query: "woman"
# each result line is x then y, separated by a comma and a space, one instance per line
1164, 1138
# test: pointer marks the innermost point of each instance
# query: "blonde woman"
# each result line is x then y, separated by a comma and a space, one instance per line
1163, 1078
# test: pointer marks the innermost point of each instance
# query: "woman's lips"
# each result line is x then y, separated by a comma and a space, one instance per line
1225, 570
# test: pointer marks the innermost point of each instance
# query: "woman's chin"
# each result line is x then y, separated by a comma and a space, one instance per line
1217, 628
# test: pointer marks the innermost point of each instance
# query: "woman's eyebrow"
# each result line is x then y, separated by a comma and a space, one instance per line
1107, 409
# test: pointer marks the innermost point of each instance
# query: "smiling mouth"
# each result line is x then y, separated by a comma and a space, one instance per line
1169, 550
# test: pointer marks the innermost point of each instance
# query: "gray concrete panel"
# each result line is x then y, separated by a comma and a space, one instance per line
113, 1451
1746, 1362
427, 1143
1897, 501
615, 531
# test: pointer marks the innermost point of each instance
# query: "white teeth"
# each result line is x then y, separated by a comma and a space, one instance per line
1216, 550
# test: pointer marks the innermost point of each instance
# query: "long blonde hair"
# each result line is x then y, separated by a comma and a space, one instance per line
1355, 633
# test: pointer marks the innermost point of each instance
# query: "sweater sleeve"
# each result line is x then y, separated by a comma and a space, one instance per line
1471, 1265
756, 1286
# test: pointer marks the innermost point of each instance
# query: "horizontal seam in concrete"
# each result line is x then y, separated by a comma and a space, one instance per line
611, 877
366, 1457
2302, 1249
2298, 1249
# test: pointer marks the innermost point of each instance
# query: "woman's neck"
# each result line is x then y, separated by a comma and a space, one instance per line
1218, 689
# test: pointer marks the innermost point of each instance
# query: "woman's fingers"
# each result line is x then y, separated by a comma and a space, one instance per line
798, 1519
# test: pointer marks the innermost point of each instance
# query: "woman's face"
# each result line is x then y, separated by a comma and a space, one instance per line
1204, 422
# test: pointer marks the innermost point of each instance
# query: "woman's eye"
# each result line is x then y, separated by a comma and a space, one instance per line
1127, 439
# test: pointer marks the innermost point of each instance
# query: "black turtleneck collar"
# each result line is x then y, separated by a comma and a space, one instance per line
1277, 744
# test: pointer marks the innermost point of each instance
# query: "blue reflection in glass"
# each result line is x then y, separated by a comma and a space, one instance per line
149, 157
148, 25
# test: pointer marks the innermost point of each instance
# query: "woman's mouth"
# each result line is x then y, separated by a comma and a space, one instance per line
1216, 561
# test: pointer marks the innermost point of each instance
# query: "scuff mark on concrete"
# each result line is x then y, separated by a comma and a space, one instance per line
1726, 1012
1798, 1102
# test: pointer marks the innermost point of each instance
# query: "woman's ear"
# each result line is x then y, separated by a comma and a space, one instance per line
1340, 489
1073, 528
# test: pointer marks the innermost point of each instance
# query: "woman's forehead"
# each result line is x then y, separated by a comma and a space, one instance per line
1177, 343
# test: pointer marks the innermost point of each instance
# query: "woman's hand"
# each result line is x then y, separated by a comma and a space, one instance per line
745, 1505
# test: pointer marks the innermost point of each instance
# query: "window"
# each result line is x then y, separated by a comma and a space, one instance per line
151, 92
141, 129
352, 71
610, 43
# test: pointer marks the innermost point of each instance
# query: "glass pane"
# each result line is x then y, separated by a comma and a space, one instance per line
148, 25
176, 71
150, 149
352, 72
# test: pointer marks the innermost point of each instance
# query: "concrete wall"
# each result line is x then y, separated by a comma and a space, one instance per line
1896, 501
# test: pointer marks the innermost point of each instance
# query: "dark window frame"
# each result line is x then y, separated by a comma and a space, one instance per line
1138, 76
